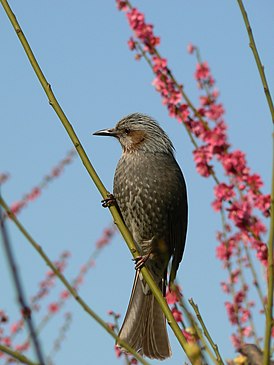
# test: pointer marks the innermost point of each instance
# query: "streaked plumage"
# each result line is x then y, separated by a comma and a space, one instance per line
150, 191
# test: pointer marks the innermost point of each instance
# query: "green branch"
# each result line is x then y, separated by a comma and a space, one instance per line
260, 67
16, 355
269, 306
116, 216
70, 288
206, 333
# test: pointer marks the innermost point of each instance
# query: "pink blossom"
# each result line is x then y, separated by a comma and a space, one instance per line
231, 312
245, 315
225, 287
190, 48
190, 335
53, 307
35, 193
261, 249
224, 251
236, 342
214, 111
17, 206
159, 64
182, 113
240, 213
177, 315
234, 163
121, 5
17, 326
239, 297
197, 127
202, 71
234, 276
222, 192
6, 341
65, 294
202, 156
142, 30
23, 347
131, 44
263, 202
254, 181
118, 351
172, 297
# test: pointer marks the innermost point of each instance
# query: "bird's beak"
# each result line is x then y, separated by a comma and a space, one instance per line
106, 132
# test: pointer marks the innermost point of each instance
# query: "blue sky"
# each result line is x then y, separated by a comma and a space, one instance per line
83, 52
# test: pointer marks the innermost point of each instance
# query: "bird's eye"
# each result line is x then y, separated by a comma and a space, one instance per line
127, 130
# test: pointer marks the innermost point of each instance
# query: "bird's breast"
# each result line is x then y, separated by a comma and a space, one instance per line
145, 186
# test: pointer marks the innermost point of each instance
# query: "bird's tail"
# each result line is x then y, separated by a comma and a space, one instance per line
144, 327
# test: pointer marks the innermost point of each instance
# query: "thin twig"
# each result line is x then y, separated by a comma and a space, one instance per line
195, 325
116, 215
243, 282
70, 288
16, 355
270, 281
255, 278
19, 290
206, 333
260, 67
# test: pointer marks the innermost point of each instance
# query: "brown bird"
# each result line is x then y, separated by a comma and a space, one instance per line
150, 192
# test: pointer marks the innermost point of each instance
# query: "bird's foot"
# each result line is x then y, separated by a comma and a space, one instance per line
109, 201
140, 261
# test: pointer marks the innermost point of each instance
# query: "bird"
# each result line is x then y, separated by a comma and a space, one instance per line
150, 192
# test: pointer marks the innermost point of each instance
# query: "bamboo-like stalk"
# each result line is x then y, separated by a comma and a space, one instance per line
17, 355
116, 216
270, 281
260, 67
70, 288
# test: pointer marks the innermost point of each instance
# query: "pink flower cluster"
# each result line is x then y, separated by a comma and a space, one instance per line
239, 196
106, 237
35, 192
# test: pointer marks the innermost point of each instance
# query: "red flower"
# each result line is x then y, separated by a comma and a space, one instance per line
223, 192
131, 44
231, 312
190, 48
177, 315
234, 163
172, 297
202, 156
202, 71
121, 5
118, 351
53, 307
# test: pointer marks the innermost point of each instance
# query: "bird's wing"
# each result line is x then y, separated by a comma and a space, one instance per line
178, 224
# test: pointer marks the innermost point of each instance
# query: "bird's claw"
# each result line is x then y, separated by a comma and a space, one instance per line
140, 261
109, 201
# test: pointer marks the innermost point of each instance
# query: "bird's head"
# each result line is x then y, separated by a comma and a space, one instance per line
138, 132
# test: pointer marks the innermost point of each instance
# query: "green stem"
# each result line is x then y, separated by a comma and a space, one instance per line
206, 333
255, 277
70, 288
269, 306
16, 355
198, 331
244, 284
116, 216
260, 67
